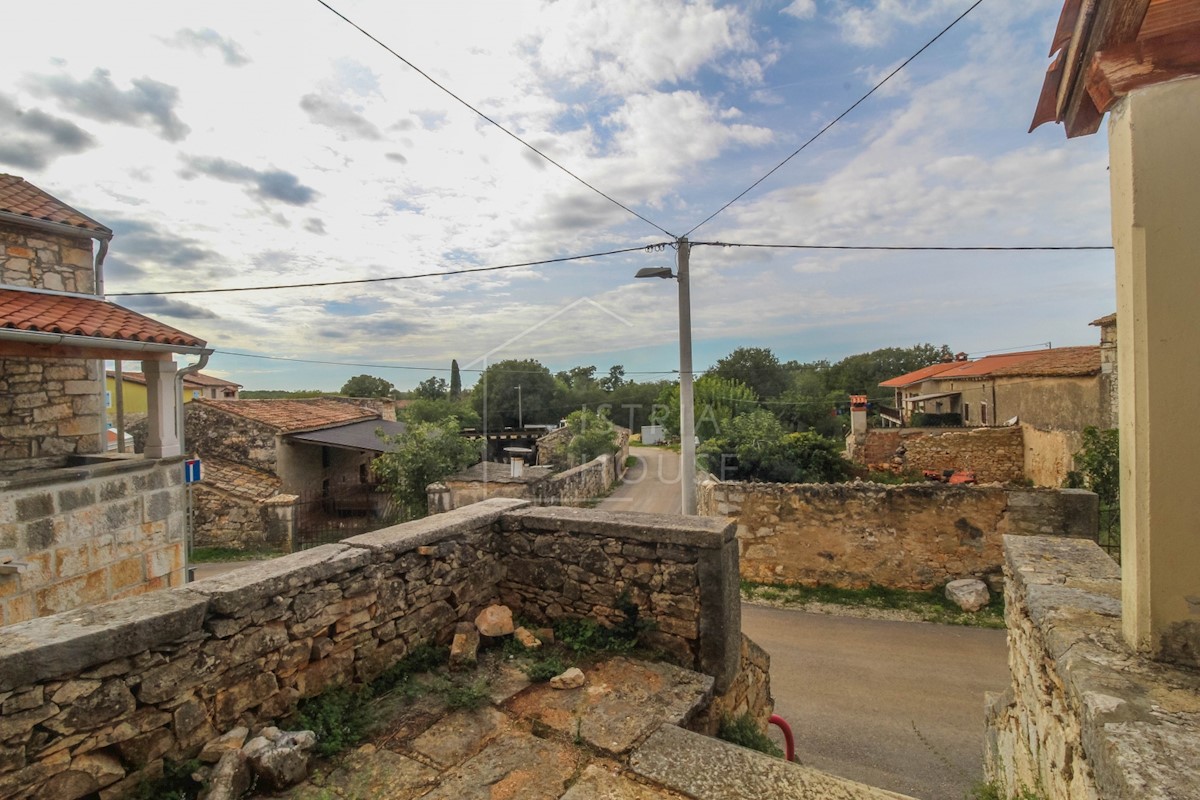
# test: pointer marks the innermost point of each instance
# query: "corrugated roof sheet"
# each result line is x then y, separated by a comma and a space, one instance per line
82, 316
355, 436
18, 196
293, 416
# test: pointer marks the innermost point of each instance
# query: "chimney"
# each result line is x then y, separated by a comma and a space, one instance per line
518, 466
858, 413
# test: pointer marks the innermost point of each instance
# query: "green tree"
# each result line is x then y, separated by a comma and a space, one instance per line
592, 435
717, 400
421, 410
1098, 469
756, 367
754, 446
423, 454
367, 386
615, 378
431, 389
455, 380
497, 388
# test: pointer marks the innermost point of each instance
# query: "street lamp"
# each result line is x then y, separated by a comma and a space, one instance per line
687, 412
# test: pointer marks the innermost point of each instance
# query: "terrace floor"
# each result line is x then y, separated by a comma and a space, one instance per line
620, 736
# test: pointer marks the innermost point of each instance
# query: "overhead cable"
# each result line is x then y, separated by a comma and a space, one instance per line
950, 248
430, 78
836, 119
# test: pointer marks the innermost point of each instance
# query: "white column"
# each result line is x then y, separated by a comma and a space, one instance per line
1154, 157
161, 401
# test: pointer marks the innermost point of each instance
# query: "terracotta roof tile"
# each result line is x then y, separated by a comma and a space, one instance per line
291, 416
238, 479
189, 380
82, 316
1105, 321
919, 375
18, 196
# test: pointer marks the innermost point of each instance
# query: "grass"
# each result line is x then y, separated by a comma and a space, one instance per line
631, 462
992, 791
743, 731
929, 606
203, 555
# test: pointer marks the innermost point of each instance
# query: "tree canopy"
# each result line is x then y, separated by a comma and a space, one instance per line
497, 388
756, 367
423, 454
367, 386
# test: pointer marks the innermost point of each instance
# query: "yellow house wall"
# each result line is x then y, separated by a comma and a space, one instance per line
135, 396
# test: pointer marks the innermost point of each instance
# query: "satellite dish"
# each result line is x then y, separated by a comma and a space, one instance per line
1012, 422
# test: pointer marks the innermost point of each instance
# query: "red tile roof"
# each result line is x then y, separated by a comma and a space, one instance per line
291, 416
191, 379
82, 316
919, 375
17, 196
239, 480
1057, 362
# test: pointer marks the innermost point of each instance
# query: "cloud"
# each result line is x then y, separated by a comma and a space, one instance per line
166, 307
801, 9
143, 242
273, 184
34, 138
314, 225
201, 39
873, 24
339, 115
399, 158
97, 97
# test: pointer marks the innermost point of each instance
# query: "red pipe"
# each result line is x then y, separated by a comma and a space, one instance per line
787, 735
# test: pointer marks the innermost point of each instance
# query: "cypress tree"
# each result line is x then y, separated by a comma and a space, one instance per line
455, 380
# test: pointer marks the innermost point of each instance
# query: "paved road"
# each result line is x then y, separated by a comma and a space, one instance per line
652, 486
893, 704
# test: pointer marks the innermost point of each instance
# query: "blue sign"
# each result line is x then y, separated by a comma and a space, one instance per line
191, 470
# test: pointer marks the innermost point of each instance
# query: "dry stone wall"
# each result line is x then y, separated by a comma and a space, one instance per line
91, 534
915, 536
1085, 718
223, 519
995, 455
232, 438
94, 700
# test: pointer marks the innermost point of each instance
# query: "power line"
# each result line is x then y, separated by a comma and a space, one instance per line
543, 262
429, 78
836, 119
919, 248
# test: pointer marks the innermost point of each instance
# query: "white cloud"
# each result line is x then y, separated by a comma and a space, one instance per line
801, 9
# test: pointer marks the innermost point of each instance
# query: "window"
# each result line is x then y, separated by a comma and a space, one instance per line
362, 473
983, 413
966, 412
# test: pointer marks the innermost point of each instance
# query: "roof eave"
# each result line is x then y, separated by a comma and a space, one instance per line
49, 339
61, 228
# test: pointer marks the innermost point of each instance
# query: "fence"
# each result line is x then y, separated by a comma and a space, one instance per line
335, 513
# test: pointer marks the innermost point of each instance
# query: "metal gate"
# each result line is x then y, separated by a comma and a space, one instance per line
339, 512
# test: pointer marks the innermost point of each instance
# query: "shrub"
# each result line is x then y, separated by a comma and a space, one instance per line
743, 731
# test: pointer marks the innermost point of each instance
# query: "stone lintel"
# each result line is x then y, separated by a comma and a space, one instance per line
63, 644
436, 528
700, 532
1139, 719
242, 589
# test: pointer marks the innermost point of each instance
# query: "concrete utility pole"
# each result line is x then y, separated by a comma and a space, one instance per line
687, 412
520, 413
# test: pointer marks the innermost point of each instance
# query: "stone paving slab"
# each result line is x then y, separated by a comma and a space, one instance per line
515, 767
622, 701
459, 735
598, 783
708, 769
368, 774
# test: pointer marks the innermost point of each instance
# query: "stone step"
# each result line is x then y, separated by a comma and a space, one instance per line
710, 769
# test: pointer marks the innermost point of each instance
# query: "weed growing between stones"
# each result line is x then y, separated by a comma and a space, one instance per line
743, 731
992, 791
204, 555
576, 639
176, 783
544, 666
879, 601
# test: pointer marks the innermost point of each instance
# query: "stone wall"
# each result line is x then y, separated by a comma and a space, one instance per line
225, 519
45, 261
1050, 455
1085, 717
914, 536
996, 455
49, 409
100, 697
219, 435
577, 486
91, 534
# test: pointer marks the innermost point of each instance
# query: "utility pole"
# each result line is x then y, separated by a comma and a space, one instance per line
687, 412
520, 413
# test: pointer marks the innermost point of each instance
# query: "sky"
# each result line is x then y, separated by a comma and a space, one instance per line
264, 143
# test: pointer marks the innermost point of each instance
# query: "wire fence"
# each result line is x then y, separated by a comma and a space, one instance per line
336, 513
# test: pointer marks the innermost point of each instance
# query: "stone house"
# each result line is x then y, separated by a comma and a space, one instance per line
268, 463
77, 526
1053, 394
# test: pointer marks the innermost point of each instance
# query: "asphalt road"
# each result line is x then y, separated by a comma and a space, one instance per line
897, 705
652, 486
